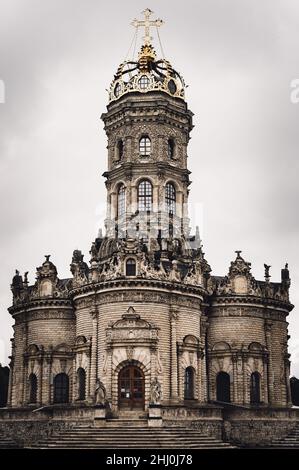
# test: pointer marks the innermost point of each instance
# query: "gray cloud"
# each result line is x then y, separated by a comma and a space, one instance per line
238, 57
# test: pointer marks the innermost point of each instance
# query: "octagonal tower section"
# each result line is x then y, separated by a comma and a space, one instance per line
248, 358
44, 333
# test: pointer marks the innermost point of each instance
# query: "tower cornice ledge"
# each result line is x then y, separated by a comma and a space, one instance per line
150, 284
251, 300
39, 304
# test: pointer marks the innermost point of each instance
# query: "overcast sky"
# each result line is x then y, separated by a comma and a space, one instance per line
57, 58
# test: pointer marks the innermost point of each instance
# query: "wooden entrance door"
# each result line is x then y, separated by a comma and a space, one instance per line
131, 388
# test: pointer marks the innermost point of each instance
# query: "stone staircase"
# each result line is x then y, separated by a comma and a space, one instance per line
129, 435
291, 441
7, 442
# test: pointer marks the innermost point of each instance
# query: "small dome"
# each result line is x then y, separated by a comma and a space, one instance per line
147, 74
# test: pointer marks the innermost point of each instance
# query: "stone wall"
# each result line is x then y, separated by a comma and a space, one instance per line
254, 428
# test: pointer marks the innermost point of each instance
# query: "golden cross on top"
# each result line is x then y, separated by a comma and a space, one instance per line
147, 23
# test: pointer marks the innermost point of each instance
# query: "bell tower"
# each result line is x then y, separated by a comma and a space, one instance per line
148, 126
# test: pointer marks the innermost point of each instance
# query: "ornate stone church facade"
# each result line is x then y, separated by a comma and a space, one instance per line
145, 321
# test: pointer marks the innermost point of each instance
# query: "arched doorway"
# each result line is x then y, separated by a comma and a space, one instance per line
61, 388
131, 388
255, 395
223, 387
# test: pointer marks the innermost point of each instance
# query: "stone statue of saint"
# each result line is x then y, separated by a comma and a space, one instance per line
267, 271
156, 391
100, 393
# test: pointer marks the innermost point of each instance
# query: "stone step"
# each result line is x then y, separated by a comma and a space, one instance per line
291, 441
105, 445
133, 437
103, 439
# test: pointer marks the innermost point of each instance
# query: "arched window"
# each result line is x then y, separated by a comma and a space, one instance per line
170, 148
145, 146
121, 201
131, 267
223, 387
170, 198
145, 196
255, 381
144, 82
189, 384
81, 374
61, 388
32, 388
117, 90
120, 149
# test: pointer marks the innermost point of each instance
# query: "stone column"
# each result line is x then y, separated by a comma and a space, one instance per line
94, 353
265, 379
113, 200
25, 381
10, 382
129, 198
40, 380
287, 378
88, 375
75, 378
156, 202
268, 327
235, 378
179, 204
110, 379
49, 384
128, 150
173, 316
200, 356
204, 379
244, 358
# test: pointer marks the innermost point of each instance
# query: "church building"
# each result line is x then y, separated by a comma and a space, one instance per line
143, 328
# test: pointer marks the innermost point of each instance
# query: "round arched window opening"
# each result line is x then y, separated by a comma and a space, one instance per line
172, 87
117, 90
170, 198
61, 388
223, 387
143, 82
145, 196
32, 388
145, 146
120, 149
170, 149
189, 384
131, 267
81, 375
255, 388
121, 201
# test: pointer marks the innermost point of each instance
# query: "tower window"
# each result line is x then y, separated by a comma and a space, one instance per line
61, 388
223, 387
120, 149
170, 198
143, 82
145, 146
32, 388
255, 395
131, 267
117, 90
189, 384
145, 196
81, 374
170, 148
121, 201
